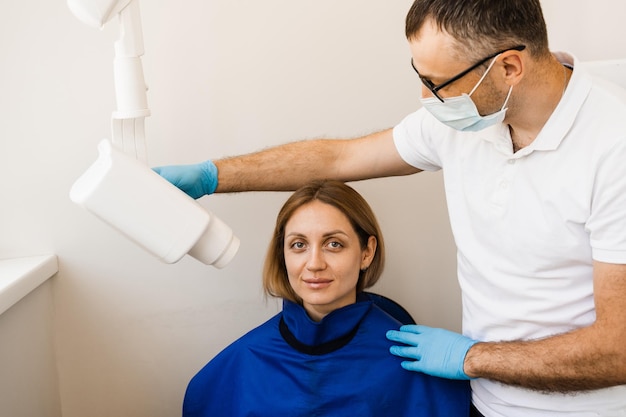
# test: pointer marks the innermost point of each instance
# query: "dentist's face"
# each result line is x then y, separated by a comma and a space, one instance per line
434, 58
323, 257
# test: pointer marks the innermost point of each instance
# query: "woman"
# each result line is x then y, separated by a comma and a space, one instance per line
326, 353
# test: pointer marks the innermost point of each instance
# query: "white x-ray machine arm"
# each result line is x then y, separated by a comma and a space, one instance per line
127, 122
119, 187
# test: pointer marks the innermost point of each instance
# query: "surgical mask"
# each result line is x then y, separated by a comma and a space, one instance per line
460, 112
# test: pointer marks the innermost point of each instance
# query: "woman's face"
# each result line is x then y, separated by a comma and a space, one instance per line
324, 257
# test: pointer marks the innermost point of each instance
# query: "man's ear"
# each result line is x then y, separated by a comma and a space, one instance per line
513, 67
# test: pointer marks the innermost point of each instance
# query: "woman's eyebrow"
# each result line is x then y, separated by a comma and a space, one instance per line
327, 234
335, 232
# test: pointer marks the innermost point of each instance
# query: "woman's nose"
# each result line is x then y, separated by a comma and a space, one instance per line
316, 260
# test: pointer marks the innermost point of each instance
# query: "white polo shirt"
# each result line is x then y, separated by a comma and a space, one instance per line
527, 226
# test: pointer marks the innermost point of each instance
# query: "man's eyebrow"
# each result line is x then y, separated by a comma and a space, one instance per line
425, 76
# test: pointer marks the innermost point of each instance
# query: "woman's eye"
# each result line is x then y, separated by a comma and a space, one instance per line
335, 244
297, 245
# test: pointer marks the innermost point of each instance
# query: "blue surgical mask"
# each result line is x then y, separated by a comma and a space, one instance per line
460, 112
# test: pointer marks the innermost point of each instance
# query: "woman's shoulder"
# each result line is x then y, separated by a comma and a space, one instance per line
390, 308
260, 334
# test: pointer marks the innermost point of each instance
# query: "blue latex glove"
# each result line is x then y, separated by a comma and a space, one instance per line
196, 180
436, 352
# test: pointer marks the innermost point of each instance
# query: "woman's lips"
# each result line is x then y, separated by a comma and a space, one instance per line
317, 283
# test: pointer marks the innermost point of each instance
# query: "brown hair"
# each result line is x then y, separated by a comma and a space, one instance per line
352, 205
482, 27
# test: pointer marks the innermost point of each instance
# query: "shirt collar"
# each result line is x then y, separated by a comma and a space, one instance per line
561, 120
566, 112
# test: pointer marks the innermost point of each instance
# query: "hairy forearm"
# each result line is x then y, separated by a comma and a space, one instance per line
575, 361
282, 168
588, 358
288, 167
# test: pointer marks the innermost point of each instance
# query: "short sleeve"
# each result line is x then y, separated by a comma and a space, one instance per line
412, 139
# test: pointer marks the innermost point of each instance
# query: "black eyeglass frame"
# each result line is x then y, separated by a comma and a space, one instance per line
434, 88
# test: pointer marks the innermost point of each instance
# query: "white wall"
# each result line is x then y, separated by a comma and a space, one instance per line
29, 384
226, 77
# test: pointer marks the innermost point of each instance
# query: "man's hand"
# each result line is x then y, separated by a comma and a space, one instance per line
436, 352
196, 180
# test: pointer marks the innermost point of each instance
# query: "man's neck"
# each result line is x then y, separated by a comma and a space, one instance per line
535, 109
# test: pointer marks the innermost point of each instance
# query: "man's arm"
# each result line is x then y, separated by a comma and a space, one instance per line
588, 358
287, 167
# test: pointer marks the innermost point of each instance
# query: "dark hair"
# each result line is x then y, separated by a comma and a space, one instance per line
482, 27
352, 205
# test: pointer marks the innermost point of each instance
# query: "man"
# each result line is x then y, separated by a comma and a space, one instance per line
533, 155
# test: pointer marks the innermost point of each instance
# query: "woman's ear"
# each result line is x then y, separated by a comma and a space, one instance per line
368, 252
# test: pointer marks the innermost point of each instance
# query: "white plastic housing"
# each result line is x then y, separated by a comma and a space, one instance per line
150, 211
96, 12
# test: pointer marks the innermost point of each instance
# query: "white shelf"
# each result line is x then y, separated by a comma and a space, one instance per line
20, 276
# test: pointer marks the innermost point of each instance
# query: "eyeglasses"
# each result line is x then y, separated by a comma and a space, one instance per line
434, 88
